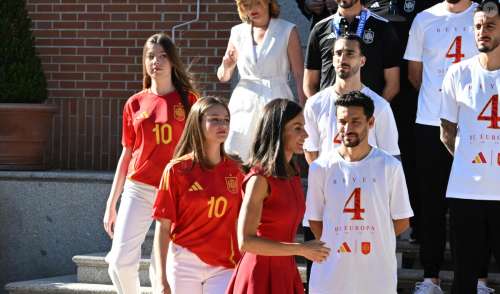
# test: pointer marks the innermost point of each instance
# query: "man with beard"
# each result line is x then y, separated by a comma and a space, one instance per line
319, 111
357, 203
381, 72
439, 36
470, 110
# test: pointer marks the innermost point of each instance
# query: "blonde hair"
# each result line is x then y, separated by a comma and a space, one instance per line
274, 9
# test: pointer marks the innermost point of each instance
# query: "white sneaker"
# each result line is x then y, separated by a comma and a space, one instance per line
482, 289
427, 288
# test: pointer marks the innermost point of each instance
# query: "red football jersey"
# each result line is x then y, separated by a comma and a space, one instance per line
152, 126
203, 206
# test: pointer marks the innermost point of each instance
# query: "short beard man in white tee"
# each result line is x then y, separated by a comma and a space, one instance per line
319, 111
357, 203
470, 110
440, 36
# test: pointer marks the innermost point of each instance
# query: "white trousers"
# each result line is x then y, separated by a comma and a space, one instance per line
132, 224
188, 274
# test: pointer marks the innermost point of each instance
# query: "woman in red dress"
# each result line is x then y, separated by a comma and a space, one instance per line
273, 207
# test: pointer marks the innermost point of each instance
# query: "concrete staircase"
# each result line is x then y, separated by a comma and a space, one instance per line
92, 276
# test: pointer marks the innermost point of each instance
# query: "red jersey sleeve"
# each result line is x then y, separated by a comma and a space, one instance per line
165, 205
193, 97
128, 132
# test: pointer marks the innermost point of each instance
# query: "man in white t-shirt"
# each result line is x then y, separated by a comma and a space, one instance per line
357, 203
439, 37
319, 111
470, 110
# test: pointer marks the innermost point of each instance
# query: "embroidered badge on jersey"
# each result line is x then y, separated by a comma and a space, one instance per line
368, 36
232, 184
366, 248
179, 113
409, 6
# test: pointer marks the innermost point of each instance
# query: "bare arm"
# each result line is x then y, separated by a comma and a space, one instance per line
448, 135
297, 63
311, 156
226, 69
160, 252
248, 222
116, 191
391, 88
311, 82
316, 228
401, 225
415, 69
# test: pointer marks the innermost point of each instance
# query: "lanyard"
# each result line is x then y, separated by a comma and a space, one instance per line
363, 16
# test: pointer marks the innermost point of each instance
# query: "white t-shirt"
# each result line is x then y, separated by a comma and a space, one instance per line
470, 98
321, 123
438, 38
357, 202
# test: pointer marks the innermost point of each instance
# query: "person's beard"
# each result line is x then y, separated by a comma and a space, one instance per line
486, 48
353, 142
347, 74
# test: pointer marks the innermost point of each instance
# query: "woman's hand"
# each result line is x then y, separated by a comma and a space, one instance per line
315, 250
229, 59
109, 220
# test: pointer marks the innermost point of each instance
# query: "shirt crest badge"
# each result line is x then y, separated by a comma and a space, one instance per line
179, 113
409, 6
366, 248
368, 36
232, 184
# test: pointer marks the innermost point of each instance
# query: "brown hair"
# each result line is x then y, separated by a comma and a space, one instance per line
192, 138
274, 8
181, 78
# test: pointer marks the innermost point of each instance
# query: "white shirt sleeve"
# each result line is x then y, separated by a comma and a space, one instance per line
312, 142
415, 46
399, 200
315, 200
449, 103
386, 131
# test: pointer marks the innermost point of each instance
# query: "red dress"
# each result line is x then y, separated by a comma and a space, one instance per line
282, 212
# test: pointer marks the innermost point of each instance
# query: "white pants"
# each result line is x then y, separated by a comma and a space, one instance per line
188, 274
132, 224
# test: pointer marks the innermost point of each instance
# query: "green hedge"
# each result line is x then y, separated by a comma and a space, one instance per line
21, 74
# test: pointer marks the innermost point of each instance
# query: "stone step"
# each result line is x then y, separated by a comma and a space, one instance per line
93, 269
62, 285
69, 284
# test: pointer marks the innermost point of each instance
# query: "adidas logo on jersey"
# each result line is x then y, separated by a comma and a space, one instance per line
195, 187
479, 158
344, 248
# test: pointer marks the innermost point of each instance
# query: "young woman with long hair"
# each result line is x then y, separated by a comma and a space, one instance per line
273, 207
153, 120
195, 245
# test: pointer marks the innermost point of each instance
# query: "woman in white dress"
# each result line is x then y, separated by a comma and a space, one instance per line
265, 49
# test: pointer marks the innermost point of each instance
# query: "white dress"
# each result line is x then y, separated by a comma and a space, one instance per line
264, 71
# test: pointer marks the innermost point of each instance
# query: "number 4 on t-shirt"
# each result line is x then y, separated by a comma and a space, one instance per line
457, 46
356, 210
494, 117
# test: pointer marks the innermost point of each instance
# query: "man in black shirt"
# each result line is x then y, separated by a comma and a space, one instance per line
383, 50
